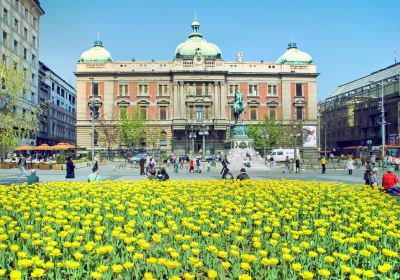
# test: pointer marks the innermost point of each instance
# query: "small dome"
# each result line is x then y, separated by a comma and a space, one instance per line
294, 56
96, 55
197, 44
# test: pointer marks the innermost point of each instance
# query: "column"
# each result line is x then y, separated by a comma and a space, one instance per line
223, 99
175, 104
216, 101
182, 100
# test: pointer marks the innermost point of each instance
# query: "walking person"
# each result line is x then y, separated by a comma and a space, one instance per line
287, 164
176, 164
271, 162
323, 164
70, 170
142, 163
191, 165
198, 167
225, 163
21, 166
350, 165
297, 165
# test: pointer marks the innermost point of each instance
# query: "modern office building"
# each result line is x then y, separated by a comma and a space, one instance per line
190, 97
351, 115
57, 98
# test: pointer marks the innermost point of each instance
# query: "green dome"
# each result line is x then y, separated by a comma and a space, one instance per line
96, 55
294, 56
197, 44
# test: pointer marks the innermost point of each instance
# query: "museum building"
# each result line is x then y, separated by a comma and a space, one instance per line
190, 98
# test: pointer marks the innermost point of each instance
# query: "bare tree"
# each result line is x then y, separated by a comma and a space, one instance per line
108, 133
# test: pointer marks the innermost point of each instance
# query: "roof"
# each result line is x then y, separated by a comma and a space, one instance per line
375, 77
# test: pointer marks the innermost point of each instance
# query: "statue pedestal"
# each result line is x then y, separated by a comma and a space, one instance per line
239, 138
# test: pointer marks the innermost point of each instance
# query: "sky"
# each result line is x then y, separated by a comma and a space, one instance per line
347, 39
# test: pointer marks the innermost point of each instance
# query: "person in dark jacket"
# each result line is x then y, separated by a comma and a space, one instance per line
243, 175
163, 175
297, 165
152, 175
70, 169
142, 162
225, 163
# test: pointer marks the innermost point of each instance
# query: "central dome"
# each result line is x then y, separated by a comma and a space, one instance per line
96, 55
196, 44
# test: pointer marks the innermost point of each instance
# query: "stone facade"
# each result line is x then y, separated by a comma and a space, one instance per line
190, 98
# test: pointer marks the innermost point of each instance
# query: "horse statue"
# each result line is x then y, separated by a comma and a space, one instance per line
238, 106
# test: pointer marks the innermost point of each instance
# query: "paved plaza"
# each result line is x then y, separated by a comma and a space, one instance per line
111, 171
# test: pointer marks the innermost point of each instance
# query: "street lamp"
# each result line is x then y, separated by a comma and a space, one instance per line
94, 106
192, 135
264, 136
295, 135
203, 132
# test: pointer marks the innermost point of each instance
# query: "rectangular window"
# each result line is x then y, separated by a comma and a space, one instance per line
199, 112
233, 89
5, 35
4, 58
16, 25
272, 114
253, 89
199, 90
123, 90
5, 15
16, 4
299, 113
26, 14
33, 79
34, 41
123, 112
25, 53
143, 112
299, 89
33, 59
232, 114
25, 33
15, 45
143, 90
95, 89
253, 113
162, 90
272, 90
62, 92
34, 23
52, 86
163, 113
190, 112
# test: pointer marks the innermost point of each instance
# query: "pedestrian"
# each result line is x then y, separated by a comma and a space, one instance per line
208, 166
152, 175
70, 169
390, 182
373, 178
147, 166
21, 165
367, 177
297, 165
389, 161
163, 175
94, 176
373, 160
287, 164
142, 163
96, 165
242, 176
176, 164
225, 163
350, 165
397, 163
331, 157
198, 165
323, 164
271, 162
227, 175
33, 178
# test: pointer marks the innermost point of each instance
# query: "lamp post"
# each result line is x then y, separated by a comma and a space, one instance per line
383, 121
264, 136
295, 135
203, 132
94, 106
192, 135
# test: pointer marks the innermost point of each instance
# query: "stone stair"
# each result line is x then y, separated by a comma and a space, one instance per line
237, 156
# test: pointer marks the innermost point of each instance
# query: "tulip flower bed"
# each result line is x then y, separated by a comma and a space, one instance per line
198, 230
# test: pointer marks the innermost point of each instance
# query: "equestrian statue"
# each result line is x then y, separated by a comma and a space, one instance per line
238, 106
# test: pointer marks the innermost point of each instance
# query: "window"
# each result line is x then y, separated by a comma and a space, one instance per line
52, 86
25, 53
16, 25
162, 90
233, 89
33, 59
253, 113
143, 112
253, 90
5, 15
163, 113
123, 90
26, 13
199, 112
299, 89
62, 92
272, 114
34, 41
299, 113
34, 23
143, 89
33, 79
272, 90
25, 33
95, 89
123, 112
16, 4
199, 90
4, 58
4, 37
15, 45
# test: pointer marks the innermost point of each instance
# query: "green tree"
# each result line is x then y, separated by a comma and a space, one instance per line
266, 134
18, 117
131, 128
